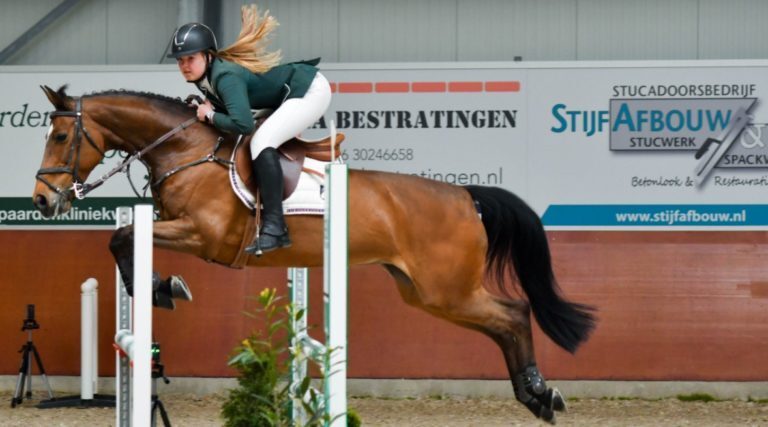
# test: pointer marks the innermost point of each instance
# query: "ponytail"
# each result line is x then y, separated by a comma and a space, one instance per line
249, 50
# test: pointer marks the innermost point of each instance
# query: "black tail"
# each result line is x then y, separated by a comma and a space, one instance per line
518, 245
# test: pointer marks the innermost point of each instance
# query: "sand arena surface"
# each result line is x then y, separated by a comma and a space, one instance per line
188, 410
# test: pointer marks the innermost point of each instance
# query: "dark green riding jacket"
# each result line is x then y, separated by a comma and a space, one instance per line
236, 91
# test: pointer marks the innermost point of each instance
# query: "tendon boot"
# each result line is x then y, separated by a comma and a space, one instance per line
274, 233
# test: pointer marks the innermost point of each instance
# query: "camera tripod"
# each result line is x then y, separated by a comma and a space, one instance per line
27, 351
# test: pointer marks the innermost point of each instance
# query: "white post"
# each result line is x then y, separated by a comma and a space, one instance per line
88, 329
123, 320
141, 385
95, 339
335, 267
298, 284
335, 281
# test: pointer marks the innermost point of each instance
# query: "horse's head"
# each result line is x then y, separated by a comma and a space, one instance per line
74, 146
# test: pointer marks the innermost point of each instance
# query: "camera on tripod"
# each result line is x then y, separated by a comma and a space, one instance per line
28, 352
30, 322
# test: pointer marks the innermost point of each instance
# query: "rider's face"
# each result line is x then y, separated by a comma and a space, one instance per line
192, 66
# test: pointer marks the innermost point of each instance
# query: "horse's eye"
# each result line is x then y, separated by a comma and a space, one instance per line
61, 137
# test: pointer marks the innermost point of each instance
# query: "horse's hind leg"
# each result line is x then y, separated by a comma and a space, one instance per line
121, 246
507, 322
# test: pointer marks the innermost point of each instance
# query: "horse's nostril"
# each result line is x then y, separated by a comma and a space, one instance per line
41, 201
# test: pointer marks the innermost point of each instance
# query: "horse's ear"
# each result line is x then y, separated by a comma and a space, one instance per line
57, 98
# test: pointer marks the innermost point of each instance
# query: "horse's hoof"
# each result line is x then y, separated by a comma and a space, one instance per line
548, 415
179, 289
558, 401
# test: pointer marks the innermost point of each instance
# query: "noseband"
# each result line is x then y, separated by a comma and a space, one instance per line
79, 188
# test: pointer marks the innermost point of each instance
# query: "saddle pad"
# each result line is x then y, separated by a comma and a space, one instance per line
306, 198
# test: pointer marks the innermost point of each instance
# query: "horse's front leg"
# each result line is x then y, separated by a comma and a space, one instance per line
164, 290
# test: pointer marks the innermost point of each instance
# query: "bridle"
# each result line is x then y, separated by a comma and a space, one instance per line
80, 188
73, 160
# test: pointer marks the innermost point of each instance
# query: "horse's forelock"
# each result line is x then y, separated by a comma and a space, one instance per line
62, 92
65, 99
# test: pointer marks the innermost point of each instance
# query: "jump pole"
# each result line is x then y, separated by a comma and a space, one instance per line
134, 396
335, 285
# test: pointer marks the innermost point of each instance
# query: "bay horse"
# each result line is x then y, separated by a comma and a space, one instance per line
441, 243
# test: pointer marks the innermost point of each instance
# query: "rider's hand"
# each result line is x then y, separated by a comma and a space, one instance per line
203, 110
193, 100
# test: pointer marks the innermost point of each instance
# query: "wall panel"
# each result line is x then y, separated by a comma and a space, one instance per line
139, 31
672, 306
398, 30
498, 30
625, 29
733, 29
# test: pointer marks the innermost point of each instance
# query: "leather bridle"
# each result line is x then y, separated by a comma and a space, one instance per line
73, 160
80, 188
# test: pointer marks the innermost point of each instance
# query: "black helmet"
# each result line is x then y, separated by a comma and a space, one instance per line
191, 38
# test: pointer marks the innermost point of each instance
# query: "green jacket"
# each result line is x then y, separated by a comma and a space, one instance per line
236, 91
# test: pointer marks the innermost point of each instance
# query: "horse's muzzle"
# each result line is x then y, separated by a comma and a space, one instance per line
50, 206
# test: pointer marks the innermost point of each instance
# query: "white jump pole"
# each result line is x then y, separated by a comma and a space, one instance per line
140, 339
141, 401
123, 321
336, 269
89, 359
335, 283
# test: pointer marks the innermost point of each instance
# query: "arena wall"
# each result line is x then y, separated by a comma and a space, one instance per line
672, 306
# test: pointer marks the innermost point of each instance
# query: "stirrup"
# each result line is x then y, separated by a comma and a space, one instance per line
258, 248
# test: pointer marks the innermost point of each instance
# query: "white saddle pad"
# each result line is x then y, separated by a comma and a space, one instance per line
307, 199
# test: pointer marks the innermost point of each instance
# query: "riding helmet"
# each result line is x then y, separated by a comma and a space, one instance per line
191, 38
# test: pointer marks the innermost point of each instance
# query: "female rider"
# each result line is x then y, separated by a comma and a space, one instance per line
245, 76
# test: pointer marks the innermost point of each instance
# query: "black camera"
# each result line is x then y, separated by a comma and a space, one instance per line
30, 322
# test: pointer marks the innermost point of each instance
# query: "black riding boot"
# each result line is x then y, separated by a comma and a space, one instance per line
274, 233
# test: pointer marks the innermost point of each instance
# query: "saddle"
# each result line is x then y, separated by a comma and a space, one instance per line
292, 155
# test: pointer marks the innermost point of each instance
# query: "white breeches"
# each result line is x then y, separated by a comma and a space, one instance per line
293, 117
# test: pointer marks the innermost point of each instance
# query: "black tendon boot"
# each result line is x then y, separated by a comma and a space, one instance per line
274, 233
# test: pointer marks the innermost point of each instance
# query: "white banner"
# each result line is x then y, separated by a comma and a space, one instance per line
651, 145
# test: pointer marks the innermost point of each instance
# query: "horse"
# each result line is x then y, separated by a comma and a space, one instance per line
442, 244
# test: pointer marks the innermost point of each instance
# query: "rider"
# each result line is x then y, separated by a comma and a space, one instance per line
245, 76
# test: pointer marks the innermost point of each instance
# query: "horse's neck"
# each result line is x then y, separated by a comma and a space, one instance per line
136, 128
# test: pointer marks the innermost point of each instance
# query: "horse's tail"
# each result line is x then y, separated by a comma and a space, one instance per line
517, 245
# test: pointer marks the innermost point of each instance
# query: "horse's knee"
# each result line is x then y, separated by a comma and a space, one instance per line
120, 240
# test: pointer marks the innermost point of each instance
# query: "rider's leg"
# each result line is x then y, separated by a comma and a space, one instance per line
291, 118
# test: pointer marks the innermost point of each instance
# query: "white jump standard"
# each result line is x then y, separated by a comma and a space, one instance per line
335, 282
135, 341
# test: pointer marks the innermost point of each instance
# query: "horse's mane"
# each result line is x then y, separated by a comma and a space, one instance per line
167, 101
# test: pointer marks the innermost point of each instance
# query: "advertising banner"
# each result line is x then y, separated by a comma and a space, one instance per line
595, 145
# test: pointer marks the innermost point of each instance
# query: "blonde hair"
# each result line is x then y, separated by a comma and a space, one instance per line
249, 50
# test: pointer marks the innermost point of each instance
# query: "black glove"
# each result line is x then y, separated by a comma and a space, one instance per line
193, 100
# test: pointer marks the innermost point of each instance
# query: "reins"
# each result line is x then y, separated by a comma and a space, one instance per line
86, 188
80, 189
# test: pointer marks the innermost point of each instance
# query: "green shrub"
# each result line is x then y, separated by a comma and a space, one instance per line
264, 396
